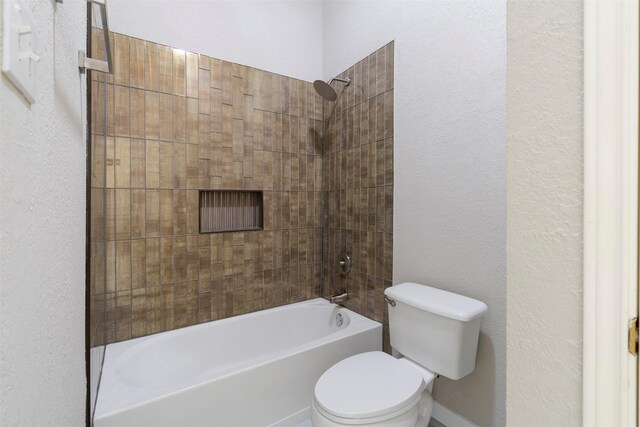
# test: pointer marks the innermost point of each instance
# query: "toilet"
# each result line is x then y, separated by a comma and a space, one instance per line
435, 331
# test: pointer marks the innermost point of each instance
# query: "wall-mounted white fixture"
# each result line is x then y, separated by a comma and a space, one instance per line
85, 63
19, 44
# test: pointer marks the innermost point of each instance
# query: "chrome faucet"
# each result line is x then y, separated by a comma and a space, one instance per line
340, 297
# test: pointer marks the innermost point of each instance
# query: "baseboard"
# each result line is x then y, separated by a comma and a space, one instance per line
450, 418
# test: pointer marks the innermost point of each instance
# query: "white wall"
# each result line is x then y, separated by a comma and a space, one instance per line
450, 158
42, 218
281, 36
544, 219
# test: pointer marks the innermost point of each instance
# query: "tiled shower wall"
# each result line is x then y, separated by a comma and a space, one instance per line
179, 122
358, 178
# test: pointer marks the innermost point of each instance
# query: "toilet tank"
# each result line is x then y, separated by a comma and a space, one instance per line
435, 328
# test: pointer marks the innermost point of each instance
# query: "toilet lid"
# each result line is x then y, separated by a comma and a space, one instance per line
368, 385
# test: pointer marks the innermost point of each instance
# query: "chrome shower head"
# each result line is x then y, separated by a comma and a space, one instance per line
325, 90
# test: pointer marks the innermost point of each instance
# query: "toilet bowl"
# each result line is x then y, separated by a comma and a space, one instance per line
373, 389
435, 331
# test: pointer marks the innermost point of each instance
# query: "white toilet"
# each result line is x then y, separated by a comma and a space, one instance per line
437, 334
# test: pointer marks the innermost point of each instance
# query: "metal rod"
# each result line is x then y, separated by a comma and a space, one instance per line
346, 81
86, 63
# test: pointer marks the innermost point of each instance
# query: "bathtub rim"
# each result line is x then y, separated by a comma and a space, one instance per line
113, 351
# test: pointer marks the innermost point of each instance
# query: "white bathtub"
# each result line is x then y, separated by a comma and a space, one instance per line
258, 369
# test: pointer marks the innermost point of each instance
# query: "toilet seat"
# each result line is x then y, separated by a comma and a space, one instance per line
369, 386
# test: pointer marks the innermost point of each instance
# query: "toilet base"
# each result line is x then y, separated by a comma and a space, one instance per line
417, 414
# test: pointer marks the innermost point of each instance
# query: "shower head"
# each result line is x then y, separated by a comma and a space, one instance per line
325, 90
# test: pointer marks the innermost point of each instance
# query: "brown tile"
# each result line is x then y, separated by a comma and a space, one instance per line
216, 73
388, 256
122, 162
154, 321
227, 125
138, 209
388, 114
152, 164
204, 63
98, 116
204, 173
166, 212
179, 268
204, 307
238, 97
371, 83
192, 129
136, 62
166, 117
123, 214
166, 165
111, 266
121, 60
123, 265
110, 226
204, 137
388, 193
122, 115
237, 140
192, 258
204, 92
380, 162
216, 110
191, 166
216, 155
111, 114
192, 212
152, 115
178, 72
123, 316
138, 313
227, 83
137, 105
179, 166
152, 213
151, 67
138, 264
179, 216
138, 167
191, 75
389, 62
381, 71
186, 306
165, 67
166, 260
179, 118
152, 259
167, 303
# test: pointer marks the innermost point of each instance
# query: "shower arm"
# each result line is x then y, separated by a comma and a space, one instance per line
347, 82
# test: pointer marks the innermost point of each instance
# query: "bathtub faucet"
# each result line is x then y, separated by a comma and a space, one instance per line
340, 297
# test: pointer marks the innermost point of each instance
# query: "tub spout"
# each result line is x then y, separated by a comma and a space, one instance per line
339, 298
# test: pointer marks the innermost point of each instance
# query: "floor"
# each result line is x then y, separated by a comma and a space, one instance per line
435, 423
432, 423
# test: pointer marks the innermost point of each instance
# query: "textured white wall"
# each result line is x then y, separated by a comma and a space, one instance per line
544, 219
42, 223
450, 159
281, 36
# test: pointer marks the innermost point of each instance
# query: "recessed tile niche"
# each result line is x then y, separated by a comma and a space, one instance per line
229, 210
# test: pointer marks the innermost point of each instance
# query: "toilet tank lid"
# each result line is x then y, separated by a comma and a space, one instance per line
437, 301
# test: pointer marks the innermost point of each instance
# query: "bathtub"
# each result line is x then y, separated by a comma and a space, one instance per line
257, 369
